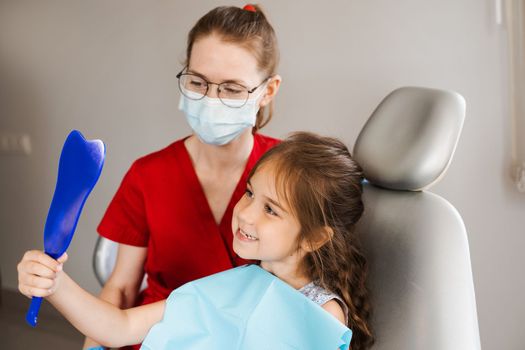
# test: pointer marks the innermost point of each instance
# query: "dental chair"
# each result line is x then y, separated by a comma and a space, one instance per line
104, 260
415, 241
420, 274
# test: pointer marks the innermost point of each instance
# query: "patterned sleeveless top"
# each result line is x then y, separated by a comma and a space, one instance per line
321, 296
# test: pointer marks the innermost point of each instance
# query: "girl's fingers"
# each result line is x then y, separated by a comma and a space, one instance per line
37, 273
30, 280
33, 291
38, 282
48, 261
42, 258
27, 267
38, 269
63, 258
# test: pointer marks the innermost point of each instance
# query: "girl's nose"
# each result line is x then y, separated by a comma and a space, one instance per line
247, 214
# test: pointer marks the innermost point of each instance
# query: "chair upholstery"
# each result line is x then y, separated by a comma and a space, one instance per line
420, 274
104, 260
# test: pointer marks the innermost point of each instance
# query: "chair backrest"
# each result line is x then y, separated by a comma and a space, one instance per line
415, 241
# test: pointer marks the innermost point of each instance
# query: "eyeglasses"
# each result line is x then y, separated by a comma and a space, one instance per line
232, 95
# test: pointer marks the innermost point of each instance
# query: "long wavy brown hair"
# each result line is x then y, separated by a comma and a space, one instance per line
322, 185
248, 29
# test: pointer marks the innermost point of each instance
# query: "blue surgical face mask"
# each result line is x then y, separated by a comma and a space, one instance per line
215, 123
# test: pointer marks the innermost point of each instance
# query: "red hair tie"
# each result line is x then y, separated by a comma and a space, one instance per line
250, 8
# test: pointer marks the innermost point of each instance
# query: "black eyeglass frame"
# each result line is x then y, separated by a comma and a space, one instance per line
208, 83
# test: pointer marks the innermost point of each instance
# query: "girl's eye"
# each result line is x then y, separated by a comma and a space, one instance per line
248, 193
269, 210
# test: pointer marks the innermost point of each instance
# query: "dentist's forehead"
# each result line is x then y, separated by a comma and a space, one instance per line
219, 61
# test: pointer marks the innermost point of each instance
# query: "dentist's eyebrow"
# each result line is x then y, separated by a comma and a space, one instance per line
236, 81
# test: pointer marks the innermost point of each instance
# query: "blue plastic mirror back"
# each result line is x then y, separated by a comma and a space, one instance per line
79, 168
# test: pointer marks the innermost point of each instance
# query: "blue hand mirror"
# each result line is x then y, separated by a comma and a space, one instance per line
79, 168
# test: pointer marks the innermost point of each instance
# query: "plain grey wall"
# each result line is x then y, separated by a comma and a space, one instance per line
108, 69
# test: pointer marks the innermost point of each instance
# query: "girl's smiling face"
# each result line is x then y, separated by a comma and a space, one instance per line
264, 227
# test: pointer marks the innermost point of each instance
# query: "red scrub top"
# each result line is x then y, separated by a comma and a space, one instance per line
161, 205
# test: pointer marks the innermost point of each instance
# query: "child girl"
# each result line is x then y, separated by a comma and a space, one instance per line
297, 217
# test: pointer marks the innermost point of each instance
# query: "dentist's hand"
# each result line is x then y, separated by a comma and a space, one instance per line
39, 274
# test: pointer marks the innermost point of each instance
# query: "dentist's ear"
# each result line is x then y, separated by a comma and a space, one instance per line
272, 87
320, 238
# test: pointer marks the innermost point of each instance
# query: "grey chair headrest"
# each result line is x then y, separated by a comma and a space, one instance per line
409, 141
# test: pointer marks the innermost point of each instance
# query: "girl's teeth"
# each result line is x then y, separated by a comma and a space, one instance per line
248, 236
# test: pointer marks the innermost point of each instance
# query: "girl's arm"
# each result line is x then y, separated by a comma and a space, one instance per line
122, 287
40, 275
102, 321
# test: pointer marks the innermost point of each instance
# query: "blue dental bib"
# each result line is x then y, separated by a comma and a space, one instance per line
244, 308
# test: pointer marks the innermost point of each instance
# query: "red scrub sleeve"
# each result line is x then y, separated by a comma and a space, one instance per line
125, 218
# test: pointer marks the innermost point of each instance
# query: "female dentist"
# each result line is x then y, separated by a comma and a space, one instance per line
172, 213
